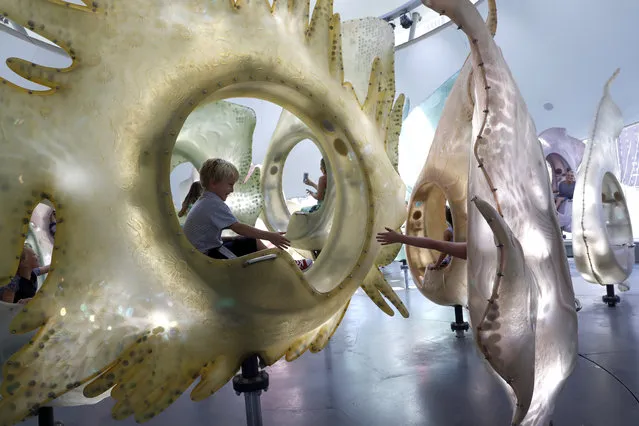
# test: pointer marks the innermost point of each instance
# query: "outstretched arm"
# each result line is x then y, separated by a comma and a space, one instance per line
449, 247
277, 238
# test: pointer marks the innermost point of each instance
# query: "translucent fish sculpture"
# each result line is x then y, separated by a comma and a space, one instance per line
602, 238
150, 313
310, 231
41, 240
444, 177
223, 130
521, 299
306, 231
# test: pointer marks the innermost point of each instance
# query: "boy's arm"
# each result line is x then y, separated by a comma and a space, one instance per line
276, 238
249, 231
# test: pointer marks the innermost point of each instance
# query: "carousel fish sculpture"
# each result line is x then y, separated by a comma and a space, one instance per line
306, 231
520, 293
602, 238
310, 231
151, 314
443, 178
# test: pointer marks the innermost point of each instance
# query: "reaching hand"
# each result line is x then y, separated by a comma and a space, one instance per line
24, 301
279, 241
311, 193
307, 181
389, 237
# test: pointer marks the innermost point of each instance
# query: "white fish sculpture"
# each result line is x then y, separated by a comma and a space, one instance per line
602, 239
521, 299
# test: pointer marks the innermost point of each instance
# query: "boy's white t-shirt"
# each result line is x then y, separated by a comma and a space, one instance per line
204, 224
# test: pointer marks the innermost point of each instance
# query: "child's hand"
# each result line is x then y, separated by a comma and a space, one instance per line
279, 241
389, 237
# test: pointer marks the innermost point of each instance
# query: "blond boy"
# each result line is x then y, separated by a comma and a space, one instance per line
210, 215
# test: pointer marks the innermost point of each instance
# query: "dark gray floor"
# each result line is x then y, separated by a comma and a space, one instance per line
393, 371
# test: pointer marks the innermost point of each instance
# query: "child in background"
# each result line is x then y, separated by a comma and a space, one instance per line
320, 188
24, 284
195, 191
445, 258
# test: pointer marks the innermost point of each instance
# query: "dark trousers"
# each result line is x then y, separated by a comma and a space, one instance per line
238, 246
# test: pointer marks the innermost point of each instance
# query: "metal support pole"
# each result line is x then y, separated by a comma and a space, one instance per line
45, 416
253, 408
251, 382
611, 298
459, 326
404, 268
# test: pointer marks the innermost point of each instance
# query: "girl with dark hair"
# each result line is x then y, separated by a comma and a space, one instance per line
24, 285
194, 194
445, 258
52, 223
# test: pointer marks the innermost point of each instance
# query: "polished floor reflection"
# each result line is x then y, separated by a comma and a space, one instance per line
393, 371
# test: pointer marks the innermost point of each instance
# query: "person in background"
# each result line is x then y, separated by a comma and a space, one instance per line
566, 189
195, 192
52, 223
559, 176
210, 215
24, 285
445, 258
320, 188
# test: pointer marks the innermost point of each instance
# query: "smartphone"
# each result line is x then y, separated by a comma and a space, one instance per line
305, 176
